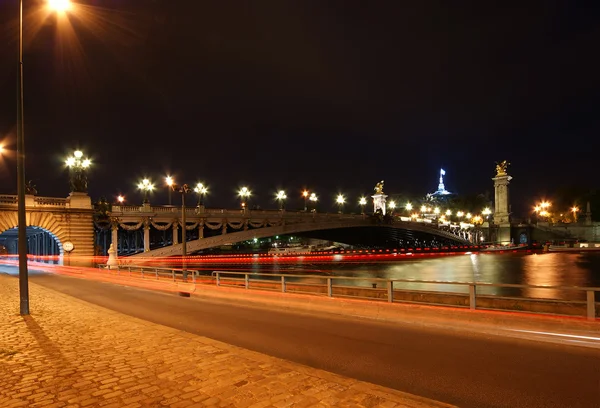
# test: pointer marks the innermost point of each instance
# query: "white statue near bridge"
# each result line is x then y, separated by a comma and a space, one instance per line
379, 198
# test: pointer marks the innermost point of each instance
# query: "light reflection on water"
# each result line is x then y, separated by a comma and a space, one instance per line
548, 269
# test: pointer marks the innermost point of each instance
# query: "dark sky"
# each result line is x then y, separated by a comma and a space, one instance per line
331, 95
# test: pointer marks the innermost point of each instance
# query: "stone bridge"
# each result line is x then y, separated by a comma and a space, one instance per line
67, 220
242, 225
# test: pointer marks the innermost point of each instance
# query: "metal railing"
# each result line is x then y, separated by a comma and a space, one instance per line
464, 294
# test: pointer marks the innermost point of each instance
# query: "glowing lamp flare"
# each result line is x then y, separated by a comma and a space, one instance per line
362, 201
281, 195
392, 205
340, 199
409, 206
59, 5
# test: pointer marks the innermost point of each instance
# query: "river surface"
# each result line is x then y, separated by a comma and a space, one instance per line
539, 269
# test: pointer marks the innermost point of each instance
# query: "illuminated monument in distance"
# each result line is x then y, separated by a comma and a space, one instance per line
501, 205
379, 199
441, 193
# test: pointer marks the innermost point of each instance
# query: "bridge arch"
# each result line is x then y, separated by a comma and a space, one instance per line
285, 229
45, 221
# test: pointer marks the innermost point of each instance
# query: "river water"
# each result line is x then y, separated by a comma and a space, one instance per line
540, 269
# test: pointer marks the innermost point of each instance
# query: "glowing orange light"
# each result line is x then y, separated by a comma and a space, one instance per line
59, 5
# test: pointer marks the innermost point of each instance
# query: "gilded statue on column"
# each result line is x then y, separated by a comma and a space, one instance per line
379, 187
501, 168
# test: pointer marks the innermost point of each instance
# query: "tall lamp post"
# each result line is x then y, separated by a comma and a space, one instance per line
78, 165
169, 182
244, 193
56, 5
184, 189
362, 202
281, 196
201, 190
146, 186
305, 195
340, 200
313, 198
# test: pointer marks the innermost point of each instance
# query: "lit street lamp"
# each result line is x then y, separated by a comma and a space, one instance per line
575, 210
244, 193
340, 200
55, 5
280, 196
362, 202
305, 195
120, 199
184, 189
78, 165
146, 186
313, 198
201, 190
392, 206
408, 207
169, 181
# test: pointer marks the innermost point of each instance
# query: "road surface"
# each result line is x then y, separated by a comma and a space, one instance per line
453, 366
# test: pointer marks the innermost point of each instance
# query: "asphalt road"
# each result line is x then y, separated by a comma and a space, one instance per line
453, 366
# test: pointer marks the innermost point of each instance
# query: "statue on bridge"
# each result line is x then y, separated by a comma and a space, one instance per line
501, 168
30, 188
379, 188
78, 181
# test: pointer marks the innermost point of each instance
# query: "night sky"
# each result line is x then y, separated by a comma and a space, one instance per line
329, 95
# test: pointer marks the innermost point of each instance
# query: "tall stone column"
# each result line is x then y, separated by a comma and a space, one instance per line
146, 235
175, 232
201, 230
501, 203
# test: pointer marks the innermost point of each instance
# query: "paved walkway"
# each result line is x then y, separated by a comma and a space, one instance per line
70, 353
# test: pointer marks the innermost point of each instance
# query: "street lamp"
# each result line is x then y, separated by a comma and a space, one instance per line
169, 181
59, 5
313, 198
459, 214
340, 200
408, 207
575, 210
362, 202
448, 213
146, 186
201, 190
120, 199
21, 215
78, 165
244, 193
486, 212
184, 189
280, 196
392, 206
305, 195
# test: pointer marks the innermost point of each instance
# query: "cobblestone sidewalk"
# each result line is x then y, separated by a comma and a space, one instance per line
70, 353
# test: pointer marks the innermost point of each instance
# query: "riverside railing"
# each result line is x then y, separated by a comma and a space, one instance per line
472, 295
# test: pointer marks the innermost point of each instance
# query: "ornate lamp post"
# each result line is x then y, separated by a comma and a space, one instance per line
408, 207
575, 210
78, 166
120, 199
305, 195
340, 200
313, 198
201, 190
392, 206
169, 182
184, 189
280, 196
146, 186
244, 193
362, 202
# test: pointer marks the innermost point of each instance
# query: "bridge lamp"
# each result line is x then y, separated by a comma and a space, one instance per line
362, 202
305, 196
77, 165
436, 210
313, 198
575, 210
169, 181
201, 190
414, 216
392, 205
408, 206
340, 200
120, 200
469, 216
460, 214
244, 193
423, 209
448, 213
146, 186
545, 204
280, 196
